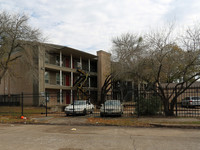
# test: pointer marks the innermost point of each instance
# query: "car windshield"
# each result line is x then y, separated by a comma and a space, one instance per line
112, 102
195, 98
79, 102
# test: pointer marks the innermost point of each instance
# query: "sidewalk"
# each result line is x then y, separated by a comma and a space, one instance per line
193, 123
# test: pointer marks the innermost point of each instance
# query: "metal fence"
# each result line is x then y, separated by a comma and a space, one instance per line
51, 104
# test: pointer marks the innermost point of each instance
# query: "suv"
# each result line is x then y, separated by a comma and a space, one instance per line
191, 101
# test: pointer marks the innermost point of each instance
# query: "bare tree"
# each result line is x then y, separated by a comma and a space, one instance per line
127, 49
106, 87
15, 35
166, 60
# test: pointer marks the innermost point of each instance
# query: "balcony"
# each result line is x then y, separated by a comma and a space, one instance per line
52, 80
53, 63
55, 86
57, 68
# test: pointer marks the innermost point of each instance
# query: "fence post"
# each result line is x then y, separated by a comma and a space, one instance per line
104, 107
73, 105
138, 103
176, 101
22, 103
176, 108
139, 99
46, 102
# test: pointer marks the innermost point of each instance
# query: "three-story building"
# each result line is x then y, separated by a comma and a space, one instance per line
56, 73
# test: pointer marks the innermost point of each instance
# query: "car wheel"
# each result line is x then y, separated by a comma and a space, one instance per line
84, 112
91, 112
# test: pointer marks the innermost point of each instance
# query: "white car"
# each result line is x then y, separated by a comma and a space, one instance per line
191, 101
111, 107
79, 107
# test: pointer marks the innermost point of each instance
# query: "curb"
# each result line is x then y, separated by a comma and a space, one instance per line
182, 126
152, 125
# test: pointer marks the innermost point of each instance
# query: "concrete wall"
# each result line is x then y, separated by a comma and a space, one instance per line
104, 68
22, 76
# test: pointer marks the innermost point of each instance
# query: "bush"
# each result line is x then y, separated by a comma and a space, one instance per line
148, 106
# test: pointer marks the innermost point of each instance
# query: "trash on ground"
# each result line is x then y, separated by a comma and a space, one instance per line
73, 129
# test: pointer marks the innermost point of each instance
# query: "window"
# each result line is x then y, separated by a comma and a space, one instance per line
58, 78
57, 60
46, 58
93, 66
64, 79
85, 65
46, 77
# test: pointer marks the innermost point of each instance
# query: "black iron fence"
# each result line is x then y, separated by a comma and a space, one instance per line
10, 100
65, 104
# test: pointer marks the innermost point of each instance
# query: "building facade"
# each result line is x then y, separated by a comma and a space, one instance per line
55, 74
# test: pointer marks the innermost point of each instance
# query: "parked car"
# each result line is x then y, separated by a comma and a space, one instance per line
191, 101
79, 107
111, 107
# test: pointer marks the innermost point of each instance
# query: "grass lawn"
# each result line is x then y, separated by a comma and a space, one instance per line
17, 111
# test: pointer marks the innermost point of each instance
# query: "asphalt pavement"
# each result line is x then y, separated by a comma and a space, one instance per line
69, 137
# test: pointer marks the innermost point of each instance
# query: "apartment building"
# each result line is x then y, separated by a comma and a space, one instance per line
55, 75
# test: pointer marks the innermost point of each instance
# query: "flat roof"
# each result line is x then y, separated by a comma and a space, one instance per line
68, 50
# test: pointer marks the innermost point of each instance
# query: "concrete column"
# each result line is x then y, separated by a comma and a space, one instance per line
89, 72
103, 68
61, 77
89, 65
71, 59
41, 71
89, 77
60, 62
81, 63
60, 66
61, 97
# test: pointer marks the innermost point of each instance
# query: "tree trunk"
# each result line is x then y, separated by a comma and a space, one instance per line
169, 110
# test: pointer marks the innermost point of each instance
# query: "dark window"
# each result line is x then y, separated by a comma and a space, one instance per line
46, 77
93, 66
57, 60
85, 65
58, 78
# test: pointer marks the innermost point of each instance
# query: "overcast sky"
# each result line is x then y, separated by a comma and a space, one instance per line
90, 25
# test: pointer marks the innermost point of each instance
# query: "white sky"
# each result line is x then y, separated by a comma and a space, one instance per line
90, 25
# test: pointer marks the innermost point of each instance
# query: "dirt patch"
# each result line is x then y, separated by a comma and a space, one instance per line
69, 149
15, 119
119, 122
98, 121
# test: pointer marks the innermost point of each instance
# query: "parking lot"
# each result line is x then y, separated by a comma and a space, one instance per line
62, 137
